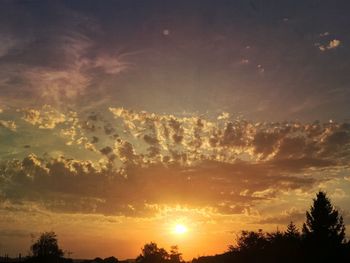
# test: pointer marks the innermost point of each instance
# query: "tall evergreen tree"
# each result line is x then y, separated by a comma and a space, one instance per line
323, 222
292, 231
324, 231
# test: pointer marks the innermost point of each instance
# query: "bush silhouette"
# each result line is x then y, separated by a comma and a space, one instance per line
46, 249
152, 254
175, 255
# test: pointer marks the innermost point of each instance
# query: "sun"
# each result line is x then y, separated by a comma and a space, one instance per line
179, 229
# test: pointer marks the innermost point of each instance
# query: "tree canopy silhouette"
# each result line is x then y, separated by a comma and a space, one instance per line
250, 240
175, 255
152, 254
46, 248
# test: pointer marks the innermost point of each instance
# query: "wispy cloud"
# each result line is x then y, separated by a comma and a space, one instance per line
62, 66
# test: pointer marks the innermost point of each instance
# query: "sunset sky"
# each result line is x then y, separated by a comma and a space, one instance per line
120, 120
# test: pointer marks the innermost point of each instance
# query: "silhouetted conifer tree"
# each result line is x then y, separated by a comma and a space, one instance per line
323, 222
292, 231
324, 230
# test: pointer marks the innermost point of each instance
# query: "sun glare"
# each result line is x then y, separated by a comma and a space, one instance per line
180, 229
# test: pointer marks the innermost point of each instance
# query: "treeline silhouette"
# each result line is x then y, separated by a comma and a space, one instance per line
321, 239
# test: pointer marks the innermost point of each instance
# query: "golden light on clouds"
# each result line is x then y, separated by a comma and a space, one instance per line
176, 122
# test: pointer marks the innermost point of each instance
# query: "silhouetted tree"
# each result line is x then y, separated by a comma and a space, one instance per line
98, 260
322, 240
250, 240
324, 230
110, 260
250, 246
152, 254
175, 255
323, 222
292, 231
46, 248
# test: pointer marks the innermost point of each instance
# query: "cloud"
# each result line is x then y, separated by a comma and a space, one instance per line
7, 42
331, 45
224, 116
11, 125
65, 62
285, 217
73, 186
334, 44
71, 80
130, 163
14, 233
68, 81
57, 85
126, 152
227, 140
144, 138
324, 34
45, 118
110, 65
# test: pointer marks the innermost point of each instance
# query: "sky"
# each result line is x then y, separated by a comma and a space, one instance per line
121, 119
